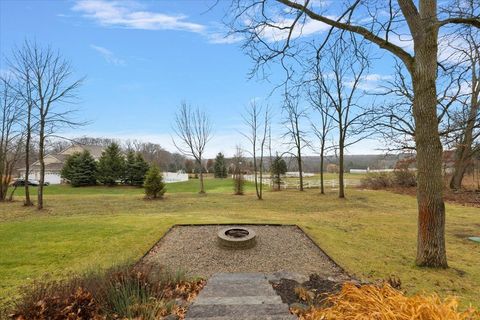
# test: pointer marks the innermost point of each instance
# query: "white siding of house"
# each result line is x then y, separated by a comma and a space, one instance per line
170, 177
50, 177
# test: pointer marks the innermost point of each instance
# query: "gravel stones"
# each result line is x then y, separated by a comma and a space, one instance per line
287, 249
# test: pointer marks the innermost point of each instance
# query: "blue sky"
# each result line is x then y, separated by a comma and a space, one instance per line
141, 59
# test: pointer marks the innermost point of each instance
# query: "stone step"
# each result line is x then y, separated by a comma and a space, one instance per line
264, 317
238, 277
236, 311
238, 289
202, 300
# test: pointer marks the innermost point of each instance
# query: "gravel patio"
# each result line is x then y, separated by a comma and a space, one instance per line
287, 249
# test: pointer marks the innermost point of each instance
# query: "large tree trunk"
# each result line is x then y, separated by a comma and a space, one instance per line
431, 208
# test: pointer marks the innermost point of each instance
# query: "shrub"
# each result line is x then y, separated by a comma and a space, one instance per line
382, 180
220, 167
385, 303
405, 178
111, 165
277, 169
135, 169
57, 300
125, 292
238, 184
377, 180
80, 169
154, 185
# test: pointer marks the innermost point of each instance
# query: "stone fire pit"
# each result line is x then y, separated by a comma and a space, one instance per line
236, 238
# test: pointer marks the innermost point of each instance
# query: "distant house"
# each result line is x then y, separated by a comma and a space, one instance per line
54, 163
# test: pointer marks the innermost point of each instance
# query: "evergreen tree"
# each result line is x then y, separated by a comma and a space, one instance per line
111, 166
220, 167
277, 169
154, 185
139, 171
80, 169
130, 168
135, 169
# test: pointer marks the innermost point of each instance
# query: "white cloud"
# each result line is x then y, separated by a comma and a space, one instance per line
371, 82
222, 38
404, 41
280, 32
130, 14
108, 55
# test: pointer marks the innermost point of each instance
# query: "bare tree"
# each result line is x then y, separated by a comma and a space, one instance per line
366, 19
10, 133
468, 117
48, 87
295, 135
318, 100
339, 77
394, 119
21, 68
193, 130
257, 119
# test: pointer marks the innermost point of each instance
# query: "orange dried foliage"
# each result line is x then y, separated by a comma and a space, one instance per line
79, 305
185, 290
385, 303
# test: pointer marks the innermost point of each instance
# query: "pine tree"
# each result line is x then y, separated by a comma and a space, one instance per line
111, 166
80, 169
140, 170
130, 168
135, 169
278, 168
220, 167
154, 185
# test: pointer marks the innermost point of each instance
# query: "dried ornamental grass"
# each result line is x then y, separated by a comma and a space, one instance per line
385, 303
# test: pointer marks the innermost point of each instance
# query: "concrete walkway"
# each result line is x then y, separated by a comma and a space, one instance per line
238, 296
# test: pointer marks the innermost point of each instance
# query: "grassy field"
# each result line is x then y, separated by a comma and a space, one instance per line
372, 234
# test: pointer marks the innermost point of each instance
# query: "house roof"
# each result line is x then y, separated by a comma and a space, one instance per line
95, 151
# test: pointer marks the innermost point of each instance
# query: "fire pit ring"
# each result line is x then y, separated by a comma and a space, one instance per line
236, 238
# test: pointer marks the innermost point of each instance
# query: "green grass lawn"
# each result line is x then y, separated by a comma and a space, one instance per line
372, 234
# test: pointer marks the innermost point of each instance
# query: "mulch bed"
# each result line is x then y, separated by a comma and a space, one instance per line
319, 286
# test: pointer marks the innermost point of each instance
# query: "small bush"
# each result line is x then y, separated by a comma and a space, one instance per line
57, 301
385, 303
405, 178
238, 184
378, 180
154, 185
382, 180
125, 292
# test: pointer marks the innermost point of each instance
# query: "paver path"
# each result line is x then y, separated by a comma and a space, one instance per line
238, 296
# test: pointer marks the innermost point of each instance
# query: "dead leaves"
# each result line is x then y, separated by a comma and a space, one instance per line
79, 305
